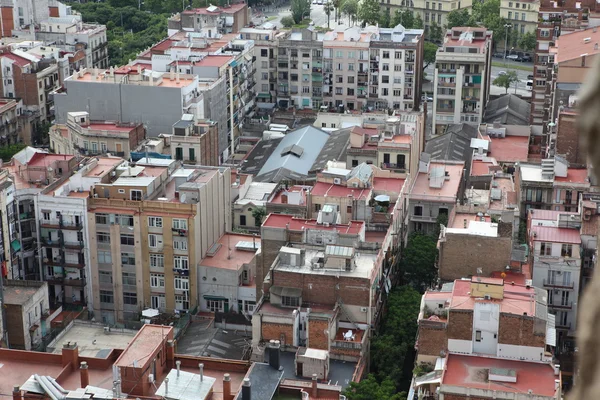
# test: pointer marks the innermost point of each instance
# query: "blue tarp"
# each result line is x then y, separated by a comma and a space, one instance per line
136, 156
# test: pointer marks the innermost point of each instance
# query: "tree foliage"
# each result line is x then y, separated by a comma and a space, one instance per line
460, 17
7, 152
368, 12
429, 53
418, 260
487, 13
406, 18
384, 18
350, 9
418, 24
287, 22
435, 33
506, 80
527, 41
300, 10
258, 213
370, 389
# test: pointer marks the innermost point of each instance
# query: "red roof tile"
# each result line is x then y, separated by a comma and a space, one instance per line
298, 224
388, 184
20, 61
574, 175
556, 235
472, 372
509, 148
549, 215
331, 190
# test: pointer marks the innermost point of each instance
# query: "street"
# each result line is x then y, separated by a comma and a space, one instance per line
273, 15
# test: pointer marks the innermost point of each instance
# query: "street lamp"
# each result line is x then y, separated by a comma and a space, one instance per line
506, 26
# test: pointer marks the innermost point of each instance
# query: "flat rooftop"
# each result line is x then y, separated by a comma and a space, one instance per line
214, 61
283, 221
388, 185
166, 81
476, 228
473, 372
92, 341
331, 190
574, 175
277, 199
109, 127
510, 149
18, 295
555, 234
149, 338
449, 189
229, 253
364, 263
533, 173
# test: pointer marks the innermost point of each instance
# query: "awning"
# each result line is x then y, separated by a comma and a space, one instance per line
429, 378
216, 298
551, 330
285, 291
264, 96
150, 312
248, 57
16, 246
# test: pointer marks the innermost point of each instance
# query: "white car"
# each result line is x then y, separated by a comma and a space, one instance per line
501, 73
513, 57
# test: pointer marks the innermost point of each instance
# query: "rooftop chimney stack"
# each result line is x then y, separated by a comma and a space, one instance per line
314, 388
16, 392
274, 348
201, 366
246, 390
170, 352
166, 386
178, 364
84, 374
226, 387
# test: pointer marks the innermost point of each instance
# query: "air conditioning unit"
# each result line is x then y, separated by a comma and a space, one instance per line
151, 378
337, 181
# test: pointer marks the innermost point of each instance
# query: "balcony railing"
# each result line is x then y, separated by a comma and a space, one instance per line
567, 306
74, 245
560, 285
393, 166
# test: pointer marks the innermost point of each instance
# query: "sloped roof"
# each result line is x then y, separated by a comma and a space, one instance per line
508, 109
452, 145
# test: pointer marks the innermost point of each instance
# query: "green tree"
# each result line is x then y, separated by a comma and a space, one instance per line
506, 80
487, 13
384, 18
418, 260
8, 151
418, 24
368, 12
328, 8
258, 213
350, 8
337, 4
435, 32
527, 41
370, 389
287, 22
442, 219
300, 10
460, 17
406, 18
429, 53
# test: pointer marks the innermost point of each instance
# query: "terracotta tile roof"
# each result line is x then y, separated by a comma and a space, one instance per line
556, 235
572, 45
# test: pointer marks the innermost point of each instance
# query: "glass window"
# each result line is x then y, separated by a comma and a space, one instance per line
103, 237
106, 296
100, 219
157, 261
179, 224
155, 241
130, 298
129, 278
182, 283
127, 240
155, 222
157, 280
180, 262
180, 244
128, 258
105, 277
104, 257
290, 301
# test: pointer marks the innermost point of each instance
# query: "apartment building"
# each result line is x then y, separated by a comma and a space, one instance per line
128, 95
462, 77
11, 129
430, 11
266, 43
436, 190
164, 217
211, 21
61, 211
589, 237
17, 14
554, 19
31, 79
31, 170
26, 307
89, 138
489, 321
295, 200
574, 56
521, 15
555, 256
254, 197
194, 142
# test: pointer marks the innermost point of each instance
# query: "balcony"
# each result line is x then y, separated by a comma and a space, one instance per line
26, 215
422, 218
567, 306
52, 243
446, 84
445, 110
74, 282
397, 167
74, 245
373, 95
558, 285
62, 225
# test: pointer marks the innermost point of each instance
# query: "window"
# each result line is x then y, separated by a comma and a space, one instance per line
418, 210
510, 4
350, 54
397, 93
155, 222
351, 67
105, 277
181, 302
158, 301
129, 278
339, 90
182, 283
398, 68
243, 217
339, 54
127, 240
106, 296
135, 194
104, 257
157, 261
103, 147
290, 301
46, 216
128, 258
545, 249
180, 262
101, 219
180, 244
398, 55
478, 336
264, 53
155, 241
350, 92
179, 224
566, 250
386, 54
385, 79
124, 220
350, 79
102, 237
305, 89
157, 281
522, 16
510, 15
130, 298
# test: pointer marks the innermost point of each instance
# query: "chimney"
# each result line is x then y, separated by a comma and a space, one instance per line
274, 354
201, 366
170, 352
226, 387
166, 386
84, 374
246, 390
314, 388
70, 355
284, 198
16, 392
178, 363
556, 369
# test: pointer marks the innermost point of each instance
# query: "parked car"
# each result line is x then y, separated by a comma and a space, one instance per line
498, 55
426, 98
501, 73
526, 57
530, 77
514, 57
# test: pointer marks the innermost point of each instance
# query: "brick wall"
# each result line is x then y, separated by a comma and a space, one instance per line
460, 325
568, 141
518, 330
8, 24
461, 255
272, 331
26, 87
138, 135
317, 339
14, 325
269, 251
432, 340
320, 289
